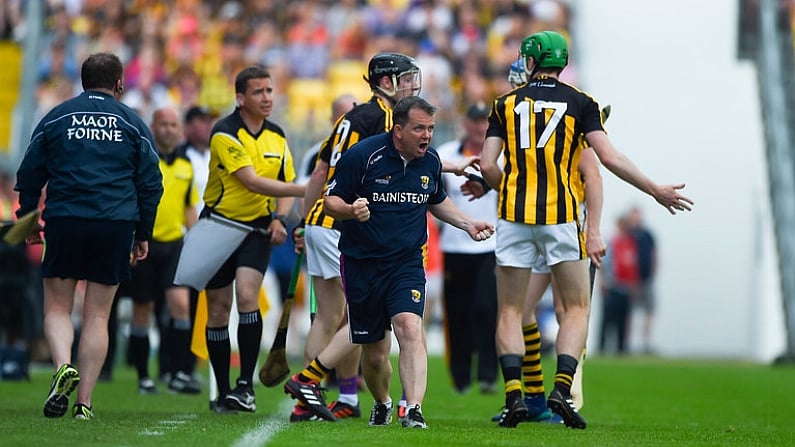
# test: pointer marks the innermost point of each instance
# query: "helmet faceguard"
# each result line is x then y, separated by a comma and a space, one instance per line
398, 67
547, 48
517, 74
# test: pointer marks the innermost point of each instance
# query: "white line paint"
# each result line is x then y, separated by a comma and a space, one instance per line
167, 424
260, 435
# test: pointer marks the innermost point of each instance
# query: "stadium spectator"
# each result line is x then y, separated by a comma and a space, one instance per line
191, 34
647, 269
620, 281
150, 91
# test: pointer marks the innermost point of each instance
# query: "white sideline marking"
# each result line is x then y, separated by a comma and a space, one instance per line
147, 432
167, 424
260, 435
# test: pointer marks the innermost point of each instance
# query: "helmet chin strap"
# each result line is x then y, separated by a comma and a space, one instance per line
530, 72
387, 95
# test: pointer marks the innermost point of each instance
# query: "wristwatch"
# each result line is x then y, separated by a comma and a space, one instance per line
281, 218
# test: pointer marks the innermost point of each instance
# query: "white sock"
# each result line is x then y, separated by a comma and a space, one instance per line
350, 399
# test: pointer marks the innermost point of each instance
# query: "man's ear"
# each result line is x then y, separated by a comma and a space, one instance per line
119, 87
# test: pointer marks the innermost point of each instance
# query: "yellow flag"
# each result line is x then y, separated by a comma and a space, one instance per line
264, 304
198, 343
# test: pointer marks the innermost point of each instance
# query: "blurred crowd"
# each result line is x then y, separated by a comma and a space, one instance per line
186, 52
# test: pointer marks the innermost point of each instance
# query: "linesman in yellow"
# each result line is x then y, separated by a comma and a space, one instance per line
538, 127
250, 181
152, 278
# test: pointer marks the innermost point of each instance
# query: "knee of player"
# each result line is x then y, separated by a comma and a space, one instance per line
408, 328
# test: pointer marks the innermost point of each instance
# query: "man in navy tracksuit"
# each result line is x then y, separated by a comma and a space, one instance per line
380, 193
97, 160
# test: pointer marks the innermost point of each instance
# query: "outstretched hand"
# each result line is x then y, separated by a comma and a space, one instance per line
667, 196
459, 168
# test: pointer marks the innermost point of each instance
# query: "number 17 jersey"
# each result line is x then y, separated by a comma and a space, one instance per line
541, 124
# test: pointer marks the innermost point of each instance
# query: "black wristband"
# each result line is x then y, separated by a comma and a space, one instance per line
481, 180
281, 218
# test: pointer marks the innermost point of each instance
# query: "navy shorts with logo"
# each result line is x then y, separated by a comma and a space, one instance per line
377, 290
94, 250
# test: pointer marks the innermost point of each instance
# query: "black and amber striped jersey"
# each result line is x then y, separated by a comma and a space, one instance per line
365, 120
233, 147
178, 195
541, 124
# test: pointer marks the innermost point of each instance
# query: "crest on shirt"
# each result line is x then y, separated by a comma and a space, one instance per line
425, 181
384, 181
416, 295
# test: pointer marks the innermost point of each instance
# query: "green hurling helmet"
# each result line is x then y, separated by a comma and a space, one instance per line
548, 48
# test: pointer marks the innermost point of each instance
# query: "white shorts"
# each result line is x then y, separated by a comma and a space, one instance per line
541, 266
322, 254
526, 246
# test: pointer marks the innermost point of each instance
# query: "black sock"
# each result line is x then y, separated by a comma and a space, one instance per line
249, 338
564, 375
220, 351
179, 344
139, 351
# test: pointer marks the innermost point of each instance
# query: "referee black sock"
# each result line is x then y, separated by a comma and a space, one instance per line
220, 351
179, 344
139, 350
249, 338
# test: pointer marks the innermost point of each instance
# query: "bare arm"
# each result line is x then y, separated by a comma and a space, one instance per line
621, 166
314, 188
589, 169
460, 167
267, 186
446, 211
491, 171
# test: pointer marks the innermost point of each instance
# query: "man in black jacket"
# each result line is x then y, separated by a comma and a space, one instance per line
97, 159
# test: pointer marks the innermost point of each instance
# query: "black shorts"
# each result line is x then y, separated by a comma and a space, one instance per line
378, 290
152, 276
94, 250
254, 252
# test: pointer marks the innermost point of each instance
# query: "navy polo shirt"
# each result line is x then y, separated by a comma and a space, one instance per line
399, 194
